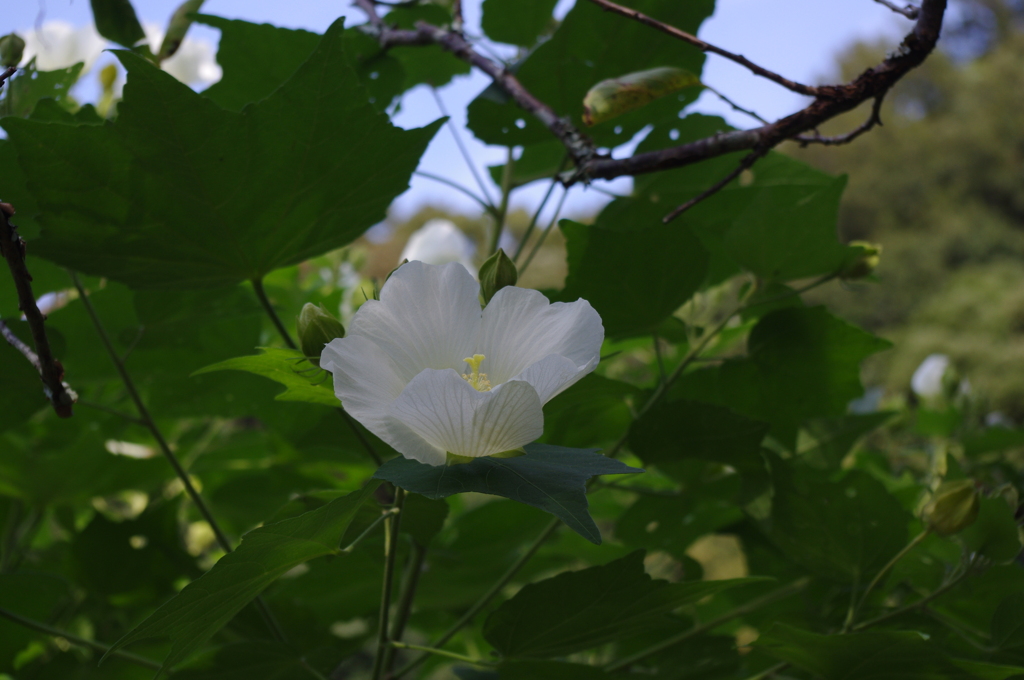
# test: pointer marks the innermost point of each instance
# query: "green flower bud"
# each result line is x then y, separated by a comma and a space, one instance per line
496, 273
317, 328
953, 508
108, 76
861, 262
12, 49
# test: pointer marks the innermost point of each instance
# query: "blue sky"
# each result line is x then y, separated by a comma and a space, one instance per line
797, 38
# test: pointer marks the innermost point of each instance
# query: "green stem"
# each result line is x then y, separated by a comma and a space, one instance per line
77, 641
506, 193
544, 234
884, 570
486, 598
112, 411
458, 187
915, 605
392, 524
536, 214
257, 285
410, 581
150, 424
360, 436
441, 652
755, 604
462, 148
768, 672
368, 530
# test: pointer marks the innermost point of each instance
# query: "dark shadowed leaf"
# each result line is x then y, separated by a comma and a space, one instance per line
514, 22
548, 477
25, 90
287, 367
32, 595
205, 605
994, 534
116, 20
423, 518
578, 610
548, 670
1008, 622
248, 660
181, 193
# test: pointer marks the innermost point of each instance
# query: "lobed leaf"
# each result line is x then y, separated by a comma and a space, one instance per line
288, 367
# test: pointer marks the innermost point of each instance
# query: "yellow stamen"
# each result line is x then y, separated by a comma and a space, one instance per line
477, 380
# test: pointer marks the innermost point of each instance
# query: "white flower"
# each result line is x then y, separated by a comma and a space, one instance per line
194, 63
439, 242
58, 44
927, 380
429, 373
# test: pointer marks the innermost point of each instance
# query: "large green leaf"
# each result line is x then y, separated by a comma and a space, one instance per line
181, 193
592, 412
589, 46
517, 23
547, 477
205, 605
34, 595
579, 610
1008, 622
886, 655
116, 20
994, 533
25, 90
287, 367
633, 285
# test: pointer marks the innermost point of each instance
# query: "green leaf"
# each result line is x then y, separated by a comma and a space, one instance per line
22, 395
633, 286
516, 23
205, 605
835, 437
247, 660
989, 671
30, 85
425, 64
546, 670
560, 71
181, 193
538, 161
423, 518
993, 439
116, 21
1008, 622
287, 367
547, 477
592, 412
861, 656
33, 595
579, 610
845, 530
994, 534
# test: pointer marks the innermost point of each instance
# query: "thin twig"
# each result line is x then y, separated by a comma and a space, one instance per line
257, 285
8, 72
77, 641
536, 215
506, 195
909, 11
455, 185
392, 525
112, 411
165, 448
744, 164
544, 234
706, 46
874, 119
735, 106
369, 530
12, 247
942, 590
462, 147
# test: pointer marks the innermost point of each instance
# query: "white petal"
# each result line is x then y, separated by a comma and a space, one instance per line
520, 327
446, 412
552, 375
428, 317
439, 242
366, 382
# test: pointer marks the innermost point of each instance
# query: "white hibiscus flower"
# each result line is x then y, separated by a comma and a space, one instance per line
439, 241
430, 373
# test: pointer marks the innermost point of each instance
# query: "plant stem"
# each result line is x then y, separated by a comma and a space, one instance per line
768, 672
883, 571
257, 285
150, 424
920, 603
410, 581
78, 641
486, 598
544, 234
441, 652
106, 409
536, 214
392, 524
755, 604
506, 192
462, 148
458, 187
368, 530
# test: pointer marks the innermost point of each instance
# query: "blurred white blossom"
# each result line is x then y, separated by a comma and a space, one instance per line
439, 241
927, 379
195, 62
58, 44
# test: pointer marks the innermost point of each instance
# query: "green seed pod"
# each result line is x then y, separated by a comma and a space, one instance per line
861, 262
177, 28
317, 328
496, 273
12, 49
953, 508
616, 96
108, 76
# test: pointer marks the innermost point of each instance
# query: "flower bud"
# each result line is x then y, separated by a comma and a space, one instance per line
862, 261
12, 48
108, 76
496, 273
317, 328
953, 508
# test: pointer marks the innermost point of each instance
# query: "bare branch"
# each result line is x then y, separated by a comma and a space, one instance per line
706, 47
909, 11
12, 247
10, 71
745, 164
874, 119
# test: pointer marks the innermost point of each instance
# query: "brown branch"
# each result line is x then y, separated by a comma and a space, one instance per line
706, 47
10, 71
12, 247
874, 119
909, 11
745, 164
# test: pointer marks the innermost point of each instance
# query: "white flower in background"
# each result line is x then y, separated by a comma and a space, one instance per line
927, 379
429, 373
440, 242
58, 44
195, 62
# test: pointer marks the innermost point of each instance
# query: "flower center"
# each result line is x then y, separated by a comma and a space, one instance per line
477, 380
